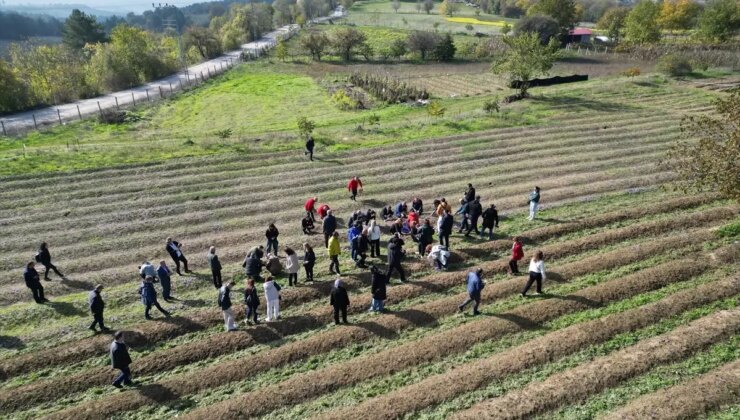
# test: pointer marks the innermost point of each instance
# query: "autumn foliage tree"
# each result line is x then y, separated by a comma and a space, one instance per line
678, 14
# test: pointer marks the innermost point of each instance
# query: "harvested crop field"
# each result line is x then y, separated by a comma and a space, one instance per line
639, 307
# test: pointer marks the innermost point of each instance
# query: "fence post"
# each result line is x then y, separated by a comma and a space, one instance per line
116, 98
100, 109
133, 99
35, 125
147, 95
5, 133
170, 88
59, 115
203, 79
180, 80
160, 91
79, 114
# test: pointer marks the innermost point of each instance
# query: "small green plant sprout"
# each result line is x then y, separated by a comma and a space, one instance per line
435, 109
224, 134
491, 106
305, 127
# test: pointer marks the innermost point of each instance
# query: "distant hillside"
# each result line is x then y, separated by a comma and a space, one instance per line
61, 11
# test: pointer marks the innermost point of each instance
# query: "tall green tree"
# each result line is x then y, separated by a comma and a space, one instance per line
316, 43
14, 94
445, 49
204, 40
563, 11
613, 22
346, 41
526, 58
641, 25
720, 20
80, 29
53, 73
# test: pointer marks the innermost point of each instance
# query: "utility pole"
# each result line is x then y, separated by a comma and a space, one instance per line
170, 24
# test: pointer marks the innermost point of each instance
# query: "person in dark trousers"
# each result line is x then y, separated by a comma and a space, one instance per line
44, 257
309, 148
444, 226
536, 273
175, 251
353, 186
361, 245
147, 269
334, 250
417, 205
309, 260
475, 210
490, 221
149, 297
534, 203
373, 234
33, 282
426, 236
307, 225
395, 256
291, 266
310, 208
475, 287
329, 226
378, 290
463, 211
215, 265
164, 274
120, 360
253, 264
470, 193
340, 301
386, 213
97, 305
252, 302
353, 232
517, 253
272, 234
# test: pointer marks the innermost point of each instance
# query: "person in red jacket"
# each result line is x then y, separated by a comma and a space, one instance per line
353, 185
323, 210
309, 207
517, 253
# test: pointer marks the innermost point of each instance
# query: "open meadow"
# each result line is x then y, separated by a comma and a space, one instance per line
639, 317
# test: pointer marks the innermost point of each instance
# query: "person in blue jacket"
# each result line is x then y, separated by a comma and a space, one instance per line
149, 297
475, 287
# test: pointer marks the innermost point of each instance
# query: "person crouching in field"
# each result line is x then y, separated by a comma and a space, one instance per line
215, 266
253, 263
517, 253
97, 305
536, 273
272, 296
475, 287
33, 282
307, 225
339, 299
149, 297
224, 302
120, 360
252, 302
310, 207
438, 255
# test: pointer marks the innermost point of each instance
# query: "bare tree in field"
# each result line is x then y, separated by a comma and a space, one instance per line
395, 4
428, 6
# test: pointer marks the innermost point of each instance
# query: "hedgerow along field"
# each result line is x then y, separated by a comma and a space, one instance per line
641, 296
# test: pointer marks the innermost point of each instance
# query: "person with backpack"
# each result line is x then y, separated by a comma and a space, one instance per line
534, 202
395, 256
334, 250
490, 221
517, 253
43, 256
373, 235
353, 186
361, 244
272, 296
165, 279
121, 360
475, 287
149, 297
425, 236
291, 266
378, 290
272, 239
310, 207
224, 302
475, 209
309, 148
31, 277
339, 299
174, 248
252, 302
97, 305
536, 273
444, 228
309, 259
215, 266
329, 226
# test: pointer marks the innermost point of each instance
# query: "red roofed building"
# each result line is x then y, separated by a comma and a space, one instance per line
579, 35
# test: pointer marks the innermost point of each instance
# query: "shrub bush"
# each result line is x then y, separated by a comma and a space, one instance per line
674, 65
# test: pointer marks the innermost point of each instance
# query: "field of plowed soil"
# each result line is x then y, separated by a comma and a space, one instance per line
639, 317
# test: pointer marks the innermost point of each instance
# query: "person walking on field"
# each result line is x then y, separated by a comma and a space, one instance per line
147, 269
339, 299
334, 251
353, 186
361, 243
97, 305
536, 273
329, 227
353, 232
373, 235
33, 282
272, 234
309, 259
534, 202
426, 236
463, 210
475, 209
443, 207
43, 256
224, 302
175, 251
165, 279
252, 302
149, 297
475, 287
272, 296
291, 266
378, 290
470, 193
444, 228
395, 256
309, 148
310, 208
120, 360
490, 221
517, 253
215, 265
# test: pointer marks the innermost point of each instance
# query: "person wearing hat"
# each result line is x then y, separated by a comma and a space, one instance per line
96, 303
490, 221
339, 299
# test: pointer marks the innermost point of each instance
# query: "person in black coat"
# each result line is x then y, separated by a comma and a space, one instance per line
475, 209
120, 360
340, 301
309, 148
307, 225
31, 276
253, 264
252, 302
378, 290
490, 221
445, 229
215, 265
329, 226
44, 257
386, 213
426, 236
361, 244
97, 305
395, 256
470, 193
173, 248
309, 259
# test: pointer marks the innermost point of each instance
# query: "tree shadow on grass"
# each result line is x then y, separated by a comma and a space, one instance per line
522, 322
12, 343
157, 393
66, 309
578, 299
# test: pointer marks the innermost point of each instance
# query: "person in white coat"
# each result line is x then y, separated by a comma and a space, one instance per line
438, 255
373, 234
291, 266
272, 296
536, 273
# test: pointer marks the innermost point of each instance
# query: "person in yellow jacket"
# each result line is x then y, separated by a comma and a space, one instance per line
334, 252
